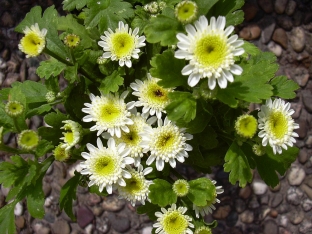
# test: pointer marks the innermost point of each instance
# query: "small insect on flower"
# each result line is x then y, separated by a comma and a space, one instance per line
33, 43
122, 45
28, 139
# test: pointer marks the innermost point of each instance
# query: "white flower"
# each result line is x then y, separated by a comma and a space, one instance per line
276, 125
209, 207
173, 221
33, 43
71, 135
136, 188
122, 44
210, 52
132, 139
166, 143
106, 165
152, 96
109, 112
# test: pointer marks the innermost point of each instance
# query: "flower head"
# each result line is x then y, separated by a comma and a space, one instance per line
71, 40
210, 52
28, 139
276, 125
246, 126
173, 221
209, 207
14, 108
203, 230
106, 165
61, 154
72, 134
181, 187
109, 112
258, 150
166, 143
122, 45
50, 96
136, 188
33, 42
153, 97
186, 11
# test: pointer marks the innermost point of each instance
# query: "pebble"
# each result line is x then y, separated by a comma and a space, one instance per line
259, 187
303, 156
296, 175
280, 37
297, 39
49, 217
302, 131
267, 25
308, 141
40, 228
264, 200
102, 225
250, 32
97, 210
266, 5
294, 195
250, 11
61, 226
305, 226
18, 209
276, 200
307, 190
240, 205
274, 213
88, 229
94, 199
284, 231
253, 203
291, 7
120, 224
247, 216
245, 192
285, 22
264, 211
280, 6
275, 48
296, 217
48, 201
5, 191
232, 218
298, 74
306, 204
297, 107
112, 203
20, 222
283, 221
221, 212
270, 226
147, 230
84, 216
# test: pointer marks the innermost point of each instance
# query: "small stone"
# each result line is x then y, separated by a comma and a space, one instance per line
297, 108
297, 39
253, 203
280, 37
10, 79
84, 216
245, 192
5, 191
302, 131
298, 17
49, 217
46, 189
308, 142
102, 225
266, 5
307, 190
276, 200
119, 223
18, 209
7, 20
97, 210
285, 22
284, 231
264, 200
280, 6
275, 48
147, 230
250, 32
283, 208
296, 176
48, 201
94, 199
307, 204
284, 221
267, 25
291, 7
247, 216
40, 228
296, 217
20, 222
250, 11
298, 74
112, 203
303, 156
264, 211
50, 170
232, 218
259, 187
294, 195
61, 226
270, 226
240, 205
305, 226
88, 229
221, 212
274, 213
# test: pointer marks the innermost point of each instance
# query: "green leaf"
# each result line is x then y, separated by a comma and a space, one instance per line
201, 191
69, 5
49, 68
35, 200
7, 217
167, 68
70, 73
107, 14
252, 85
182, 106
141, 19
111, 83
163, 198
38, 110
5, 120
250, 49
208, 138
148, 209
163, 29
43, 147
55, 119
204, 6
32, 17
237, 164
284, 87
33, 91
270, 164
68, 195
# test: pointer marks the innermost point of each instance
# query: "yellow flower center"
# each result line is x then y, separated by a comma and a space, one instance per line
131, 138
165, 140
123, 44
32, 43
69, 137
71, 40
109, 113
157, 94
186, 11
211, 50
181, 188
134, 185
278, 124
246, 126
104, 166
174, 222
29, 139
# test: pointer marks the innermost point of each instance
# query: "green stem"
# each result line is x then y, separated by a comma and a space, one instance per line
177, 174
16, 124
49, 52
12, 150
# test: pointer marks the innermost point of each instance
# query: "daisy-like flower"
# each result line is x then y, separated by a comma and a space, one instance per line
14, 108
209, 207
153, 97
276, 125
132, 139
109, 112
186, 11
71, 40
122, 45
28, 139
166, 143
203, 230
136, 188
72, 134
246, 126
33, 43
210, 52
173, 221
106, 165
181, 188
61, 154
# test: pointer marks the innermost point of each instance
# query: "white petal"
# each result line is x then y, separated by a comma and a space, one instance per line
237, 70
193, 79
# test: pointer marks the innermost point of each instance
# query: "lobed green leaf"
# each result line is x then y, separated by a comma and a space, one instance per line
284, 87
201, 191
111, 83
163, 198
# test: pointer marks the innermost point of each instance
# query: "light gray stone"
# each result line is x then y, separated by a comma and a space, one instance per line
275, 48
18, 209
296, 176
297, 39
306, 204
259, 187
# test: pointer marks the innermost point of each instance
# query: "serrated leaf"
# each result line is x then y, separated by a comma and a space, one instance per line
167, 68
68, 195
284, 87
107, 13
7, 217
70, 73
111, 83
38, 110
69, 5
49, 68
204, 6
55, 119
237, 164
167, 195
33, 91
252, 85
201, 191
182, 106
5, 120
148, 209
250, 49
163, 29
35, 199
141, 19
43, 147
208, 138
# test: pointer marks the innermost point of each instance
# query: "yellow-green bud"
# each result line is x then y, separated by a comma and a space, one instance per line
14, 108
71, 40
61, 154
28, 139
203, 230
258, 150
186, 11
181, 188
246, 126
50, 96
